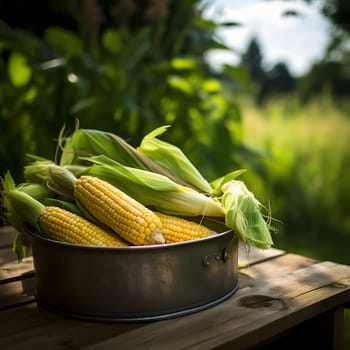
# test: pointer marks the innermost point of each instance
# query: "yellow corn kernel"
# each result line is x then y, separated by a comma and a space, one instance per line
130, 219
62, 225
176, 229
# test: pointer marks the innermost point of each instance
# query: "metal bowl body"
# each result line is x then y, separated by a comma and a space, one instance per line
135, 283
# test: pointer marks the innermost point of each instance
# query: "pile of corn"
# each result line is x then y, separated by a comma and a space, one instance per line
104, 192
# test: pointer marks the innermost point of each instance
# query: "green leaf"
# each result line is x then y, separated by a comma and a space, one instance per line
18, 70
137, 49
179, 83
217, 45
68, 43
83, 104
182, 63
229, 24
212, 85
111, 41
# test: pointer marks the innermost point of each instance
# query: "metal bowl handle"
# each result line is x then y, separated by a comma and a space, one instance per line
222, 255
228, 250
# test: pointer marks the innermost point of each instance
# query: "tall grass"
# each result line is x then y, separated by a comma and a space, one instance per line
306, 177
307, 172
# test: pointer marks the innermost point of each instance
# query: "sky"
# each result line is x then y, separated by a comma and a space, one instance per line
298, 41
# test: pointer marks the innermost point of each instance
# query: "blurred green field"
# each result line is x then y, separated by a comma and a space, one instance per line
306, 180
306, 175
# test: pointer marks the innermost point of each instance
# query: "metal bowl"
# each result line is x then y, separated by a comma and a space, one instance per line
138, 283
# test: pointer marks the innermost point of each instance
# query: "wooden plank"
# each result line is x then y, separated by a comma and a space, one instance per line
31, 317
250, 255
254, 314
336, 327
300, 309
41, 329
303, 280
278, 266
325, 331
16, 293
15, 269
17, 283
7, 236
7, 255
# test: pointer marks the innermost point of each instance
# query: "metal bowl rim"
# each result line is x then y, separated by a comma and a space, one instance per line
131, 248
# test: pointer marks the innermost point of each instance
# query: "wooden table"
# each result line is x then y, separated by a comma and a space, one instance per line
284, 301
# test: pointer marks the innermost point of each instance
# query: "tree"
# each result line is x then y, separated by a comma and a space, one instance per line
277, 81
325, 76
338, 11
252, 60
330, 73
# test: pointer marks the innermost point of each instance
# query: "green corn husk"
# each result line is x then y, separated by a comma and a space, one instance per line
18, 213
218, 183
36, 168
150, 189
38, 171
64, 204
90, 142
35, 190
173, 160
243, 215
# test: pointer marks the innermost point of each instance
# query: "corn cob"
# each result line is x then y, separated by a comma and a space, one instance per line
56, 223
176, 229
62, 225
156, 190
130, 219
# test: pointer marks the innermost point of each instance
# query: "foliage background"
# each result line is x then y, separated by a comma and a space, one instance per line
115, 73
